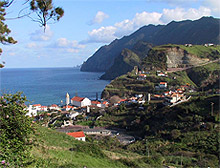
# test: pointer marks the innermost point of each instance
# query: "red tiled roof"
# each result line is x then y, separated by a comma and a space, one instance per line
36, 105
43, 106
142, 75
76, 134
105, 102
68, 106
54, 105
78, 99
163, 83
96, 102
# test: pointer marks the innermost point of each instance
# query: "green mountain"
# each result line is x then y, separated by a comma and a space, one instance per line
127, 59
204, 30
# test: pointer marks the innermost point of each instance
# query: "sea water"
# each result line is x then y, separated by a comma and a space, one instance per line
48, 86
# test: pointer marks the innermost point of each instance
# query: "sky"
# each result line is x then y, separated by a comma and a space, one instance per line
87, 25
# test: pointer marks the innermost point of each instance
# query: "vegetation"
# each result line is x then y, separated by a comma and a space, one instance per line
44, 10
186, 134
15, 131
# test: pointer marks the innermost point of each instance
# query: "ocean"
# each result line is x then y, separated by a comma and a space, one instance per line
48, 86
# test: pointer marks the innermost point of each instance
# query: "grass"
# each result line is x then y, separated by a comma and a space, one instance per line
52, 150
198, 50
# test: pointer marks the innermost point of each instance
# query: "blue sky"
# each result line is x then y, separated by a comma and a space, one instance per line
88, 25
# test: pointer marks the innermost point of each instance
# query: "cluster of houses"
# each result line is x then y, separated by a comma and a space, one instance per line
75, 103
172, 97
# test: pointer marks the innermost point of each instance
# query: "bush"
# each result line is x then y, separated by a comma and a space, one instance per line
15, 130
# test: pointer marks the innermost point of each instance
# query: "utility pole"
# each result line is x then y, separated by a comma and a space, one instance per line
97, 96
147, 150
181, 162
212, 108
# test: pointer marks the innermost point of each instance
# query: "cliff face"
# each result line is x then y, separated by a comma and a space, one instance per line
177, 57
204, 30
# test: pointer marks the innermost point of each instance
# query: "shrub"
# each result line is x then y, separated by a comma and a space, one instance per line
15, 130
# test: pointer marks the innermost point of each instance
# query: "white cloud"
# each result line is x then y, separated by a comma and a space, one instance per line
179, 14
40, 35
125, 27
12, 53
214, 5
103, 34
67, 45
99, 18
31, 45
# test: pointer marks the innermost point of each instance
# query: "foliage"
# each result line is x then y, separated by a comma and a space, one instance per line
44, 10
15, 130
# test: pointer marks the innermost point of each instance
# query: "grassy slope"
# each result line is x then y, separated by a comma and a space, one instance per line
198, 50
196, 145
197, 76
53, 151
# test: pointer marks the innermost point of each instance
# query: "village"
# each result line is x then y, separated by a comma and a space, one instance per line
67, 117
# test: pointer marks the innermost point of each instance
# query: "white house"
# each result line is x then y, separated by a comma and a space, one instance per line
37, 107
31, 111
80, 101
104, 104
96, 103
173, 98
54, 107
67, 107
161, 74
73, 114
163, 85
44, 108
78, 135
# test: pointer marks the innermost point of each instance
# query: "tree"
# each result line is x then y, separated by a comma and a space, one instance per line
43, 9
15, 127
15, 130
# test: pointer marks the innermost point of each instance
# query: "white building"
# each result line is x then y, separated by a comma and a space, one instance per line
73, 115
96, 103
80, 101
37, 107
31, 111
173, 98
104, 104
78, 135
54, 107
68, 107
44, 108
67, 99
163, 85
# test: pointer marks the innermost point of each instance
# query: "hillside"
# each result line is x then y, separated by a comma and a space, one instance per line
55, 149
206, 77
182, 136
204, 30
179, 56
127, 59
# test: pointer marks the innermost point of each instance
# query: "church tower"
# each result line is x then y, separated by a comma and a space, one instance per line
67, 99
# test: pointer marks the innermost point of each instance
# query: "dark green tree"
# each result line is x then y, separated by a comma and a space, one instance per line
15, 130
43, 9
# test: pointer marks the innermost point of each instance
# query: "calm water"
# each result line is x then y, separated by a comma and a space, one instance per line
50, 85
